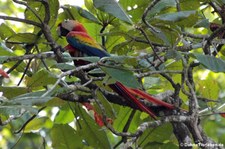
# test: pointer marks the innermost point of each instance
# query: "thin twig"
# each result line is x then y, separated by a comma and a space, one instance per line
20, 20
152, 4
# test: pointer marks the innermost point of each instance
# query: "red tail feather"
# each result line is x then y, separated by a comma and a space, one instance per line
150, 98
135, 100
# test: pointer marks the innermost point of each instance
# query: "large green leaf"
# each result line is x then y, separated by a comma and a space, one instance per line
122, 117
64, 136
38, 123
32, 100
86, 14
10, 92
122, 75
181, 18
207, 91
112, 7
64, 116
22, 38
5, 31
211, 62
90, 132
25, 141
41, 78
12, 109
159, 134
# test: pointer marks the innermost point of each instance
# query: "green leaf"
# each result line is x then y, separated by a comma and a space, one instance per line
123, 59
160, 6
122, 75
176, 16
54, 8
41, 78
11, 92
207, 91
86, 14
112, 7
210, 62
202, 23
64, 116
22, 38
181, 18
38, 123
91, 133
32, 100
159, 134
173, 54
162, 36
5, 31
149, 82
37, 140
39, 9
107, 105
65, 137
189, 4
122, 117
12, 109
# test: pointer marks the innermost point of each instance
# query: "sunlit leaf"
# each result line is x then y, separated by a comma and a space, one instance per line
22, 38
5, 31
38, 123
64, 116
41, 78
206, 91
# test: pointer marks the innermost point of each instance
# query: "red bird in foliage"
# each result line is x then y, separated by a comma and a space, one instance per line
81, 44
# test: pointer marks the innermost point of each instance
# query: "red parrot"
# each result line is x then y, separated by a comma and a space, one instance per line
3, 73
81, 44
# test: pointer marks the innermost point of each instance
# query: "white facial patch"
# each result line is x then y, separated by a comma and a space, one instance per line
68, 25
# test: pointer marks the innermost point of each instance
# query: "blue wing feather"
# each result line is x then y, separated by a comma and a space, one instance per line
85, 48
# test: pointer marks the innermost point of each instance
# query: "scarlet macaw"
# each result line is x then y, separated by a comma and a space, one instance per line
81, 44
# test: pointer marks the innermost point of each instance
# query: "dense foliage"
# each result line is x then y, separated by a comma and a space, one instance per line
170, 48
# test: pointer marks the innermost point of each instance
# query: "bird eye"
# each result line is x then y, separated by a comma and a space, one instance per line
66, 21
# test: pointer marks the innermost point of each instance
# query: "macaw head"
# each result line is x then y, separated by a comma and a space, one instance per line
70, 25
